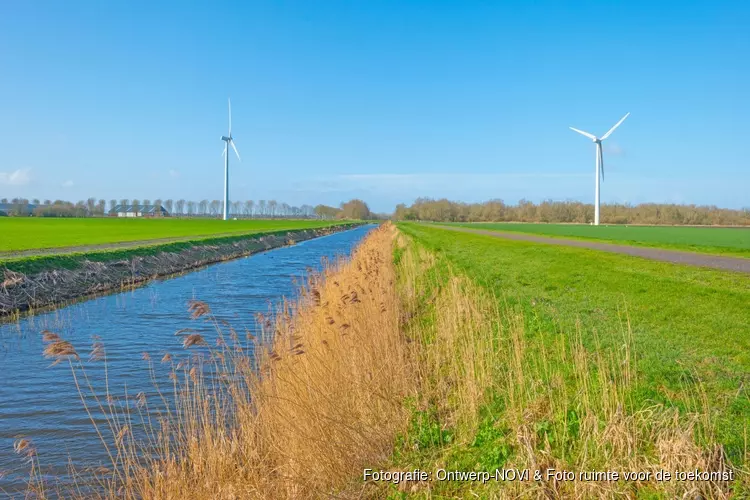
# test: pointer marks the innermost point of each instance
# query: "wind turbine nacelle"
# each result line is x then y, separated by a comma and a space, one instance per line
225, 138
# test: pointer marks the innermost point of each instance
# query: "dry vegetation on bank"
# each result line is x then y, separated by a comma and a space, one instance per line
297, 416
394, 360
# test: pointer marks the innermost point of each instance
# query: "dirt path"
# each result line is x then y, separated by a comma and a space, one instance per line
738, 264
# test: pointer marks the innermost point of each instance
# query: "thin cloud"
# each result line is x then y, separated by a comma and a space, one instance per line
174, 174
67, 184
20, 177
378, 177
457, 185
462, 176
614, 149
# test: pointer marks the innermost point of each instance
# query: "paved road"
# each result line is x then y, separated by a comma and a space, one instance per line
739, 264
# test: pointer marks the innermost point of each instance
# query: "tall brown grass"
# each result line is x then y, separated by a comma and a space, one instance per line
336, 382
295, 413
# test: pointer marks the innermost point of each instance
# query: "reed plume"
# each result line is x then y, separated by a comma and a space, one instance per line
193, 339
198, 308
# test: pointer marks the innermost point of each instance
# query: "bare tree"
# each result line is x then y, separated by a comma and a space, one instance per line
214, 207
203, 207
168, 204
180, 206
272, 207
20, 207
80, 209
101, 207
249, 208
567, 212
326, 212
112, 205
191, 207
355, 209
136, 206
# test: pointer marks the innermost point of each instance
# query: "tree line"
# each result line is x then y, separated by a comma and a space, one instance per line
444, 210
353, 209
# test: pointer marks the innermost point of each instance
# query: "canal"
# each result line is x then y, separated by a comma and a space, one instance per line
39, 401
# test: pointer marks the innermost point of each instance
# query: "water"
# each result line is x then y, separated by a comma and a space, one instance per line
41, 402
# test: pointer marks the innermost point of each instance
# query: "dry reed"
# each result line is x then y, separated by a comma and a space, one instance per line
297, 412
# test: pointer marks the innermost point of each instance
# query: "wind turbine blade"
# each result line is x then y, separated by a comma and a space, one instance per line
616, 125
224, 151
601, 160
230, 116
590, 136
235, 150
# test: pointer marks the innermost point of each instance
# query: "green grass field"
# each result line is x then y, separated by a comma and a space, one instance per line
731, 241
19, 234
690, 325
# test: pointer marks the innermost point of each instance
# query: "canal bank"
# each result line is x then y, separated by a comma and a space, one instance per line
137, 329
43, 282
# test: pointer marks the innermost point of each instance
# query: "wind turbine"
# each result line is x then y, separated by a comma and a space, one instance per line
599, 161
228, 140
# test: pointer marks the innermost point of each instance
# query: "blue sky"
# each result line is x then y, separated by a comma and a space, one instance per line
383, 100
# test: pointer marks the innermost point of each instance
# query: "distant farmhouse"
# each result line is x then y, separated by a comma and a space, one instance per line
17, 209
138, 211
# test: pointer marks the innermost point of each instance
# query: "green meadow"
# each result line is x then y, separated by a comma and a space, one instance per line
690, 326
29, 233
718, 240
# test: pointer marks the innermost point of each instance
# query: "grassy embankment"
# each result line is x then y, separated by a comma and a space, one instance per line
25, 234
463, 352
712, 240
577, 360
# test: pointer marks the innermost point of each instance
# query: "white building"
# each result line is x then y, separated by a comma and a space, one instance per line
139, 211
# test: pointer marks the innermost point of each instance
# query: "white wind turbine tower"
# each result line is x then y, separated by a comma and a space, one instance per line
599, 161
228, 140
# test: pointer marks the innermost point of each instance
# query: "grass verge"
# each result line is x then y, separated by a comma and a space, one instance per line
688, 323
504, 386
